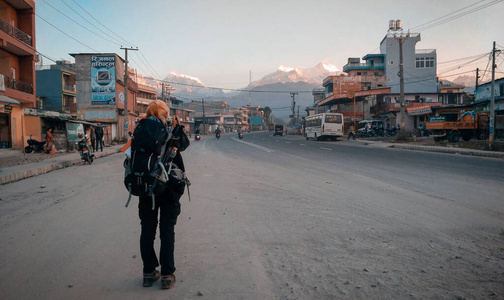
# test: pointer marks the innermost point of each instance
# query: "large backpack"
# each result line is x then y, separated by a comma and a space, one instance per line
150, 167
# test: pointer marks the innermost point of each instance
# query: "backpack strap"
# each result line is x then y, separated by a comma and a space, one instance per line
188, 183
129, 197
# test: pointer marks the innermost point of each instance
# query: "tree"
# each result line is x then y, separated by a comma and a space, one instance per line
267, 113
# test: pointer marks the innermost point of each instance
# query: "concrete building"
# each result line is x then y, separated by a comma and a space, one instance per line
56, 88
375, 83
483, 95
101, 93
419, 65
17, 70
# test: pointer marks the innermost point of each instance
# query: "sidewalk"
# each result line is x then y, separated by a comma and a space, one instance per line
18, 172
453, 150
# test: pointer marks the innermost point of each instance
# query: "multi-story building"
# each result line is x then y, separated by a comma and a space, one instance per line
482, 102
146, 94
101, 93
17, 70
377, 83
184, 113
56, 88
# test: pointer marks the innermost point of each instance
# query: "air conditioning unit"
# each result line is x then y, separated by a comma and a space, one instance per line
2, 83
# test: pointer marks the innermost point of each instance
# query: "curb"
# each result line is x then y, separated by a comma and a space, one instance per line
48, 167
460, 151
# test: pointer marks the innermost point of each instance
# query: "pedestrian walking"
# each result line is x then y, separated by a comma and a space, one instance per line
49, 141
92, 135
351, 133
167, 208
99, 137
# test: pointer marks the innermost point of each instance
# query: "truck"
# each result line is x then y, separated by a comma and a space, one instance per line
452, 123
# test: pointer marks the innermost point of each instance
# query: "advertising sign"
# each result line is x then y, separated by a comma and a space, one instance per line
437, 119
103, 89
73, 130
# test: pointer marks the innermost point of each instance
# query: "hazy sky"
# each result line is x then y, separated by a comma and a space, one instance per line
219, 41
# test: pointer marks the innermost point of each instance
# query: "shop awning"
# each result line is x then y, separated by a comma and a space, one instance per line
9, 100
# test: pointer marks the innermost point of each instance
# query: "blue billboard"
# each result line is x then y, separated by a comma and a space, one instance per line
103, 88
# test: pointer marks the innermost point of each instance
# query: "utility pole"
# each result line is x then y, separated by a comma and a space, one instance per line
293, 95
250, 88
204, 119
401, 40
163, 92
477, 78
126, 113
492, 100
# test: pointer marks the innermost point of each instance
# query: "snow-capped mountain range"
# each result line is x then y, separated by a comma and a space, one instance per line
264, 90
314, 75
191, 86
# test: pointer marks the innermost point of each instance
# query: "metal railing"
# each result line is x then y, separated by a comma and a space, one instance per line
15, 33
18, 85
69, 88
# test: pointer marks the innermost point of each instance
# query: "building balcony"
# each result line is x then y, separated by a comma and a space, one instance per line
15, 33
69, 88
18, 85
363, 66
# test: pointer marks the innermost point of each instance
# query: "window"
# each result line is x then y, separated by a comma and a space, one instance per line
429, 62
420, 62
424, 62
333, 119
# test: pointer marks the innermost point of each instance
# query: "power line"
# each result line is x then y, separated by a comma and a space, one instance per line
423, 28
85, 19
71, 19
141, 53
67, 34
131, 44
430, 22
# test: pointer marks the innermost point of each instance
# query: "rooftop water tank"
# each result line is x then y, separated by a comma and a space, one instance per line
391, 25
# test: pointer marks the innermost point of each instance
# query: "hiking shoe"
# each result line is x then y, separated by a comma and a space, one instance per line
150, 278
167, 281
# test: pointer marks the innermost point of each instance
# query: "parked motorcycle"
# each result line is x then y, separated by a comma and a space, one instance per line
85, 152
34, 145
391, 132
240, 135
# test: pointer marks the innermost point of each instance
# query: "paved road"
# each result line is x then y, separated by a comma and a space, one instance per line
270, 218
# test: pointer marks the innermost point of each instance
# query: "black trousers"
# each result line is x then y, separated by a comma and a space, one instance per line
168, 211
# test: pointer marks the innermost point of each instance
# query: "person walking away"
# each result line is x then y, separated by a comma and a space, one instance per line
351, 133
92, 136
99, 137
49, 140
167, 208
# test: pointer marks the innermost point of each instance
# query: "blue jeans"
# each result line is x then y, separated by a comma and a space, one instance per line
99, 142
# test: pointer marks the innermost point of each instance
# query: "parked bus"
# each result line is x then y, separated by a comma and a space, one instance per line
324, 126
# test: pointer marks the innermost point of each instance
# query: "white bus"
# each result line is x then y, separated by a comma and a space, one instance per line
324, 126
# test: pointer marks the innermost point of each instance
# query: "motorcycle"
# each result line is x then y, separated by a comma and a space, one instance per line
197, 137
34, 145
83, 148
391, 132
240, 135
217, 135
